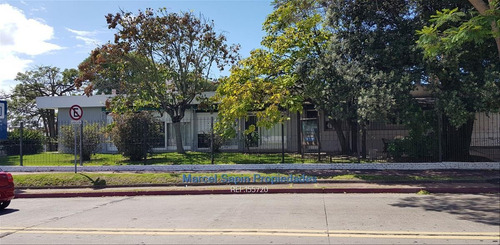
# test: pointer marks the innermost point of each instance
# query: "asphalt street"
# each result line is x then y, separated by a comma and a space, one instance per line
255, 219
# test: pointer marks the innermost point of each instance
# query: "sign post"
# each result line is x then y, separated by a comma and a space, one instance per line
76, 113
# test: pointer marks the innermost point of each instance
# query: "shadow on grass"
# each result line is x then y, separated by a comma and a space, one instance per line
9, 161
204, 158
477, 208
97, 183
172, 159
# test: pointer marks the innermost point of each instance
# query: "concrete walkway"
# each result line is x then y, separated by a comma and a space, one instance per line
260, 167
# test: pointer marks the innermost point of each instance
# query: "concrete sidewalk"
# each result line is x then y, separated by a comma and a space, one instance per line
352, 187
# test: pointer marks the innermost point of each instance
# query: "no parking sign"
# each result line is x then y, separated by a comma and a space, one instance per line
76, 112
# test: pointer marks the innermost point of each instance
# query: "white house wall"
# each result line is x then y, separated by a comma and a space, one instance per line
486, 130
90, 115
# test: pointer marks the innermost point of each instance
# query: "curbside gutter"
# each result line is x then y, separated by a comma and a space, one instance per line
432, 190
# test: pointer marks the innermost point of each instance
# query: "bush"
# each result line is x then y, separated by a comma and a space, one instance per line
415, 147
32, 142
91, 139
205, 138
135, 134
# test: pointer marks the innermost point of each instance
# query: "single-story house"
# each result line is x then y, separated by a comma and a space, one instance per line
299, 134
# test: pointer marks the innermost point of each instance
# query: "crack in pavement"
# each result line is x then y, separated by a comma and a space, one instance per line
326, 220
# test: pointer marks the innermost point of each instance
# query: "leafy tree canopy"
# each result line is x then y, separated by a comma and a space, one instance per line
42, 81
351, 59
160, 60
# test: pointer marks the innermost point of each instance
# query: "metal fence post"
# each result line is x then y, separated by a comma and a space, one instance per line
21, 130
439, 134
318, 137
212, 140
282, 142
74, 145
81, 144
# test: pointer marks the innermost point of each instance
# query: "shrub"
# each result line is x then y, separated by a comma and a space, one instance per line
91, 139
415, 147
252, 139
135, 134
32, 142
205, 138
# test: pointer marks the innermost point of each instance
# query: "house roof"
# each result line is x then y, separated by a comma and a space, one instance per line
68, 101
56, 102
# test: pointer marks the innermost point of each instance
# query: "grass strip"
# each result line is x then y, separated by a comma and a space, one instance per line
170, 158
40, 180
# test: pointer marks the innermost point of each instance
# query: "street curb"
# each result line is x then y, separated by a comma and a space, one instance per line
320, 181
432, 190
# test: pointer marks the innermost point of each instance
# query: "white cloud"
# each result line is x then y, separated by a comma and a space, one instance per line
21, 37
88, 37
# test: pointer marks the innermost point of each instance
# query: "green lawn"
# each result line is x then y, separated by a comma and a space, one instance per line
112, 179
60, 159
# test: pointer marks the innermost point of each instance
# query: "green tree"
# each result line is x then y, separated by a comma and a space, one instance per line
463, 70
351, 59
42, 81
173, 57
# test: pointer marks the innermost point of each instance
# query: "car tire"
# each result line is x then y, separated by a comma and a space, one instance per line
4, 204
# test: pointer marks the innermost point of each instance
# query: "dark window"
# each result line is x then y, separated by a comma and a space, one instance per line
203, 140
311, 114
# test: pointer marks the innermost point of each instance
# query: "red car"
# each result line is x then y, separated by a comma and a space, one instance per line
6, 189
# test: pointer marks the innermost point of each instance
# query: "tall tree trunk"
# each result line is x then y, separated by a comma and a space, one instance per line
178, 137
456, 141
52, 126
344, 144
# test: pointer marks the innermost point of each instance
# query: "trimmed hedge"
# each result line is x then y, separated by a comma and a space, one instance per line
32, 142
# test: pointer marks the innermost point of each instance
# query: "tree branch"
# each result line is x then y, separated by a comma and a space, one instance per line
482, 7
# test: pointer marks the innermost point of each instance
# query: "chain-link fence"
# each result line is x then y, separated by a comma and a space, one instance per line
301, 139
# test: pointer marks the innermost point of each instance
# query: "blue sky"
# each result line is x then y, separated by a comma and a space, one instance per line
62, 33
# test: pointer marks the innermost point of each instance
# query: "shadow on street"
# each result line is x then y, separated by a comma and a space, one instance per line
8, 211
483, 209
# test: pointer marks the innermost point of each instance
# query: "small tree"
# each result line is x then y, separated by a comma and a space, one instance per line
135, 134
91, 139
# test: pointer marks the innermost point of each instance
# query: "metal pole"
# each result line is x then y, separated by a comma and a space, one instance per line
440, 143
21, 144
282, 142
319, 140
75, 145
439, 133
212, 140
81, 144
